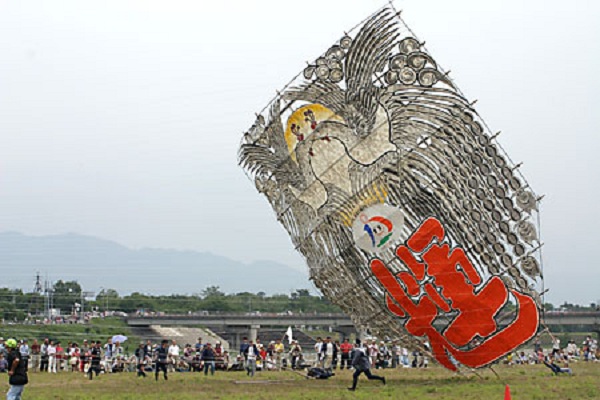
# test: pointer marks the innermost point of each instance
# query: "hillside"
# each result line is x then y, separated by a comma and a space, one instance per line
97, 263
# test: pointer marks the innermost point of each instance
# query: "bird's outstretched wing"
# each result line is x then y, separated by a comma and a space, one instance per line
366, 57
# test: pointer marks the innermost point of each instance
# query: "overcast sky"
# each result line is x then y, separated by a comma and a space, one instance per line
122, 119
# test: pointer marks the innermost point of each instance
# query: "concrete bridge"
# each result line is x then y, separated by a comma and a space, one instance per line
248, 325
237, 320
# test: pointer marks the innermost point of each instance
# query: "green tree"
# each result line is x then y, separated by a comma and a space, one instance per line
108, 298
66, 295
212, 291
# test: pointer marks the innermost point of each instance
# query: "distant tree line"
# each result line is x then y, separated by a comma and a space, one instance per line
212, 299
16, 305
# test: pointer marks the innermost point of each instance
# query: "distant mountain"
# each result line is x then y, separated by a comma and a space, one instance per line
97, 263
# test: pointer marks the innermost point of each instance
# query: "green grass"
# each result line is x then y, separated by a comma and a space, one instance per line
97, 329
532, 382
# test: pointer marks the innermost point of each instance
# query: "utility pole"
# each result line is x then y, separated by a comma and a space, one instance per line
83, 296
37, 288
37, 293
48, 291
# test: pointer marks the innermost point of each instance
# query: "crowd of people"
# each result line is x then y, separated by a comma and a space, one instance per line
97, 357
558, 358
329, 354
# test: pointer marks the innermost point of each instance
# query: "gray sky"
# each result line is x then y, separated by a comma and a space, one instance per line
121, 119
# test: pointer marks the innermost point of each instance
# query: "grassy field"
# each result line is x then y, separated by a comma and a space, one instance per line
97, 329
526, 382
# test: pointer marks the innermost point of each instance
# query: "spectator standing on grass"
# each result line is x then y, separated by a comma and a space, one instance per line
17, 371
372, 352
244, 348
345, 349
250, 355
336, 354
24, 350
404, 357
173, 355
328, 353
396, 352
362, 364
161, 359
44, 355
594, 350
318, 351
198, 346
60, 357
279, 350
208, 356
571, 349
83, 353
262, 355
140, 358
74, 355
270, 359
95, 355
35, 355
148, 349
51, 349
555, 346
383, 355
295, 353
108, 355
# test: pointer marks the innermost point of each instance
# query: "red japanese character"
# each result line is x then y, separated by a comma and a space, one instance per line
449, 279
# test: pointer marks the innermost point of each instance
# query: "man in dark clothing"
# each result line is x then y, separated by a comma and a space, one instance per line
251, 354
140, 357
208, 356
361, 363
328, 353
244, 350
148, 349
160, 355
199, 346
17, 371
95, 354
44, 355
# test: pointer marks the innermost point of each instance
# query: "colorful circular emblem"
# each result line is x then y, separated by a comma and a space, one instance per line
377, 227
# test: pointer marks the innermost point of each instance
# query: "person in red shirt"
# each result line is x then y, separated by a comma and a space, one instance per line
346, 349
35, 355
60, 356
218, 349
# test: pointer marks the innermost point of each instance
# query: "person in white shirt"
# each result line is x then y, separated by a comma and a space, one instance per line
51, 357
108, 355
251, 352
555, 346
372, 352
328, 351
318, 347
24, 350
405, 362
173, 355
117, 350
